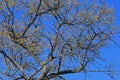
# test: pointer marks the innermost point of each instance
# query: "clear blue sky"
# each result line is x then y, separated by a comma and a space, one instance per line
111, 52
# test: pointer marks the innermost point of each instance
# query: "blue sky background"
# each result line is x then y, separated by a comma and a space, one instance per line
111, 51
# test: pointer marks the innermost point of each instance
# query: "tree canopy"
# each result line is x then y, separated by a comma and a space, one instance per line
45, 39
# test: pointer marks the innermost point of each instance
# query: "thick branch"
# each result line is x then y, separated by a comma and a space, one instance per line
65, 72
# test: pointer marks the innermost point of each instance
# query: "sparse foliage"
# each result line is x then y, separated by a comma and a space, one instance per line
45, 39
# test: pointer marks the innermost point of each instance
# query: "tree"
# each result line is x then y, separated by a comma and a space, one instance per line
45, 39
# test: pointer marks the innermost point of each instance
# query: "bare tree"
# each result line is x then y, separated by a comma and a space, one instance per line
45, 39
